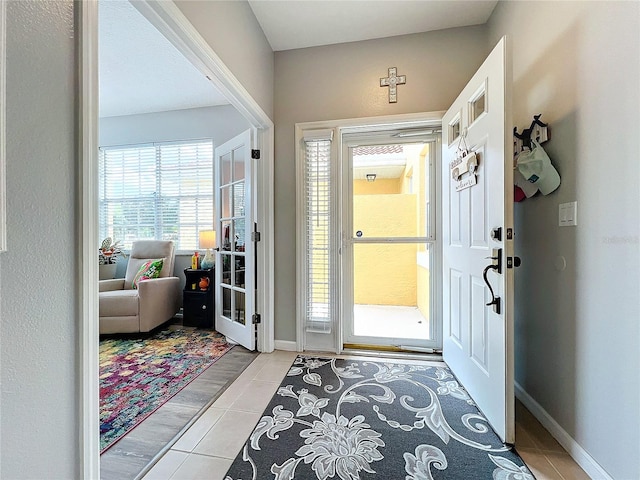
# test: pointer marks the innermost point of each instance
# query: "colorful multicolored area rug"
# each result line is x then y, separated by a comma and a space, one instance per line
357, 419
139, 375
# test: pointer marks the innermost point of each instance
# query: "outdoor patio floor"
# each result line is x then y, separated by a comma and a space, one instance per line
390, 321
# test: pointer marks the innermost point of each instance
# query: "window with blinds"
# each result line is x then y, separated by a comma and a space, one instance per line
160, 191
318, 231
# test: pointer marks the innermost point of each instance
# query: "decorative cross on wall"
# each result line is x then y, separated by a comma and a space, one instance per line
392, 81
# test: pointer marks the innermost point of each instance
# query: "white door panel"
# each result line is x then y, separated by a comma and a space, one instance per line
478, 341
235, 292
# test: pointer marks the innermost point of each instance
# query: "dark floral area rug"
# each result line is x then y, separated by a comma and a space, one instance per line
360, 419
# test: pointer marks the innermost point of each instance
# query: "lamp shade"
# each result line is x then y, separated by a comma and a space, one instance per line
207, 238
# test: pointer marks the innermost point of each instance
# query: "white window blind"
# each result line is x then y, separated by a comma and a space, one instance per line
318, 231
160, 191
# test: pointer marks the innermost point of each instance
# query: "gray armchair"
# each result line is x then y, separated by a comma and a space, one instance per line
127, 310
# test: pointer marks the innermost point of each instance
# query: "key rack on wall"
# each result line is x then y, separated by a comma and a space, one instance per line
533, 169
537, 130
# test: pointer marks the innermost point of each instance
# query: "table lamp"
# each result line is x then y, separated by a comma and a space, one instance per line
208, 241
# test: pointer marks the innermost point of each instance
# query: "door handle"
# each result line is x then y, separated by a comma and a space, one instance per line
495, 265
496, 259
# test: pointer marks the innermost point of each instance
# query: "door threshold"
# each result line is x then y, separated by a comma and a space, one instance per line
391, 351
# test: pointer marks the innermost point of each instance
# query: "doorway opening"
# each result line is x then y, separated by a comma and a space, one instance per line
389, 255
167, 18
475, 224
367, 237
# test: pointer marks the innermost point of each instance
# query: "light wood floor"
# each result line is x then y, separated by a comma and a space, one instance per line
207, 449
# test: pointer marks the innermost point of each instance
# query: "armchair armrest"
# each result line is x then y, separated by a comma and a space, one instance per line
111, 285
159, 300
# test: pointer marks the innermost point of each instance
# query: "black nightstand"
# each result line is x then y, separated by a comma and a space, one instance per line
198, 305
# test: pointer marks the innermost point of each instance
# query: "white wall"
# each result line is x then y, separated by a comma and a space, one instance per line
231, 29
220, 123
343, 81
38, 327
577, 334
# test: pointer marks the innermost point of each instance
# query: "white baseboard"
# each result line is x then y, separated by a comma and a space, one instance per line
286, 345
573, 448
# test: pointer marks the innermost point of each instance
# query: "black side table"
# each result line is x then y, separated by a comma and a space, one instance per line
198, 305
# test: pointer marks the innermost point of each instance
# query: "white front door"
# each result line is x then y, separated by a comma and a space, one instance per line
478, 338
235, 265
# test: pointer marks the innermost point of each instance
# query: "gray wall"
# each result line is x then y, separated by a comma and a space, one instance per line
38, 339
220, 123
577, 335
235, 35
342, 81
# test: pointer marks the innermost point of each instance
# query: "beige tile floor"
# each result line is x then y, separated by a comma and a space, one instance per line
208, 448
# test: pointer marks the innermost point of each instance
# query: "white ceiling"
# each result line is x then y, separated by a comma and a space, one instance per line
298, 24
142, 72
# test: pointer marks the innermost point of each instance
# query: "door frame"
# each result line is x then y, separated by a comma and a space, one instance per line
350, 126
170, 21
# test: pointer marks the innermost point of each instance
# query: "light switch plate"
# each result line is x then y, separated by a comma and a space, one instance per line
568, 214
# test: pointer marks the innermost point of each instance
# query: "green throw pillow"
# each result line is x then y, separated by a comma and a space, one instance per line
148, 270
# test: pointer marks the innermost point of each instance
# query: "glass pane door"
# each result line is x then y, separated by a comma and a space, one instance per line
235, 297
391, 247
391, 292
233, 238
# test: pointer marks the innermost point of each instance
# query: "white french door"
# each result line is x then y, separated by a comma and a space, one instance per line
477, 203
235, 263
